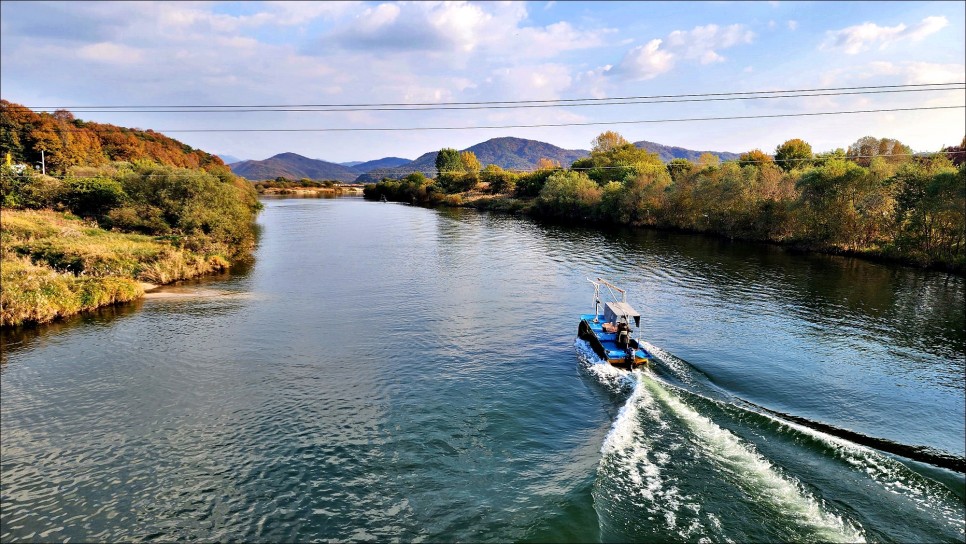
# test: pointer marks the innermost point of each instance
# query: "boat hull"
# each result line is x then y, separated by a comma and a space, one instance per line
606, 347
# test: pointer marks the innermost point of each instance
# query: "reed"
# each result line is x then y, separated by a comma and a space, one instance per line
56, 265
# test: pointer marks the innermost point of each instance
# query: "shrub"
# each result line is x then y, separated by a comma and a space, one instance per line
568, 194
92, 197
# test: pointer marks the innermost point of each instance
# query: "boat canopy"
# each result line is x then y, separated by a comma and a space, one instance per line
613, 311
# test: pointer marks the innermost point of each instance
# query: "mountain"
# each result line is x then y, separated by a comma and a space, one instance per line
294, 167
228, 158
385, 162
505, 152
670, 152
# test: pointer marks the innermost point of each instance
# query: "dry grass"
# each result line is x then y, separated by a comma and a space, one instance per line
54, 264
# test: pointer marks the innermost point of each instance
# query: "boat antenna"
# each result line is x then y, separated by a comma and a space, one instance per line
596, 299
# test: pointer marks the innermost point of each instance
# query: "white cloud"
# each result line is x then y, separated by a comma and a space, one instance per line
532, 82
792, 25
856, 39
457, 29
645, 61
701, 43
918, 73
110, 53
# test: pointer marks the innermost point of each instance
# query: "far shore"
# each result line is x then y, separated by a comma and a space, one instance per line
355, 190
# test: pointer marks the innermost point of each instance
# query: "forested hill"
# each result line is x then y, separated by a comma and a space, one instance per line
67, 141
506, 152
293, 166
668, 153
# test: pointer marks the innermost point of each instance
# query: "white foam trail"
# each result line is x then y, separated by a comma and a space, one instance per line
627, 451
614, 378
754, 474
891, 474
676, 365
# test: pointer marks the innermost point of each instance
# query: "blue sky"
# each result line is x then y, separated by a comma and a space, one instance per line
78, 54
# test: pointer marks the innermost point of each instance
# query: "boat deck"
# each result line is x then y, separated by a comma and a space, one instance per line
609, 340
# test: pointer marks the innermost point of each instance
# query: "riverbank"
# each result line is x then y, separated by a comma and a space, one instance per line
55, 265
530, 207
340, 190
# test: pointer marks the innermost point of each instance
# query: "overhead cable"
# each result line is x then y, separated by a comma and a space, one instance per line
517, 103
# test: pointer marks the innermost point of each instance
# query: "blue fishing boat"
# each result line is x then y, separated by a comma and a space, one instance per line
610, 334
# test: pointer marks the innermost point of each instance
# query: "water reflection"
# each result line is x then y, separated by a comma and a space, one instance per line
385, 371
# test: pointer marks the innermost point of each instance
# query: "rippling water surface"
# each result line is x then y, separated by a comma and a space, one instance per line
385, 372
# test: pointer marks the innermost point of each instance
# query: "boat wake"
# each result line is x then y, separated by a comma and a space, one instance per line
681, 465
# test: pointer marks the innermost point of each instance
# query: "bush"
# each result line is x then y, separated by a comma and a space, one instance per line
92, 197
569, 194
530, 185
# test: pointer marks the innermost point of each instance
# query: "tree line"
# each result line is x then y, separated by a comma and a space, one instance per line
124, 179
875, 197
61, 141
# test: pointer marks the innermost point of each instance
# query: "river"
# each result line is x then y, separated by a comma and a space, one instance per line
387, 372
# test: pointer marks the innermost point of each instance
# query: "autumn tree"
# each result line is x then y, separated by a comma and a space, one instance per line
868, 147
547, 164
708, 160
755, 157
607, 141
469, 161
792, 154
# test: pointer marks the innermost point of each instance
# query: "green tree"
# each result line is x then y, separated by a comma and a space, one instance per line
93, 197
613, 158
678, 168
639, 200
448, 162
792, 154
498, 179
568, 194
450, 170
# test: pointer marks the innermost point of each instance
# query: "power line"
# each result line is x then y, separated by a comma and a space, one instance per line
510, 102
549, 125
420, 108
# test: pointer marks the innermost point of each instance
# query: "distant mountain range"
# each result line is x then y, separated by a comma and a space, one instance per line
294, 167
506, 152
228, 158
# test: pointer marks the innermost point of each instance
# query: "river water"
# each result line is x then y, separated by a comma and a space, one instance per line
386, 372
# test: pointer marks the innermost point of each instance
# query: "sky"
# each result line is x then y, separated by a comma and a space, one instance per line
77, 55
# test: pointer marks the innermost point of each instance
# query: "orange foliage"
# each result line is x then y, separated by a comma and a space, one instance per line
67, 141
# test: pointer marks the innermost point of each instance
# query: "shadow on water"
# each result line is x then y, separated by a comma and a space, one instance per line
907, 305
25, 337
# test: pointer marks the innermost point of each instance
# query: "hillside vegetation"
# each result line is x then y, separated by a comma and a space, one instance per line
86, 235
876, 198
69, 142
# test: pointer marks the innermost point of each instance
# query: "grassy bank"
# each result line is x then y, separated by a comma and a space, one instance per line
54, 264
